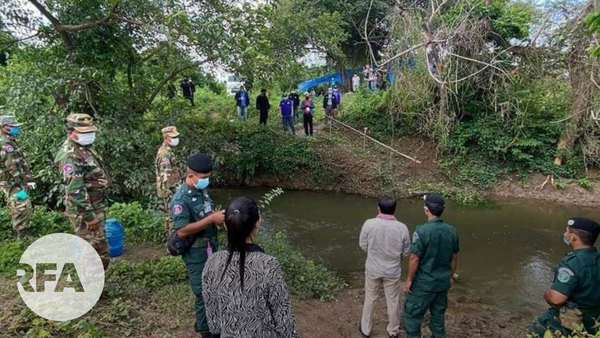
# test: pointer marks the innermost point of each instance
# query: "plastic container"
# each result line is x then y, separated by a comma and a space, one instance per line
114, 235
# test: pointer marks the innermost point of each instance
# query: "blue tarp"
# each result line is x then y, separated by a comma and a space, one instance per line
335, 77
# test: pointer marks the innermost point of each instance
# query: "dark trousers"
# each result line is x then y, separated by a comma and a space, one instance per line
416, 304
288, 121
263, 117
308, 122
195, 259
191, 98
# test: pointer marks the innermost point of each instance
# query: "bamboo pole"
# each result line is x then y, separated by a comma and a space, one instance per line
374, 140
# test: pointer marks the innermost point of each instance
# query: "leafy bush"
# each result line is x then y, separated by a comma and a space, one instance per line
141, 225
147, 275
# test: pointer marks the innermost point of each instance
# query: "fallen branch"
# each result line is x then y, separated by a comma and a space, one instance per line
374, 140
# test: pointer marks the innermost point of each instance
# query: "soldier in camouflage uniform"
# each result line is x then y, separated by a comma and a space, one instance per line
15, 179
86, 183
168, 175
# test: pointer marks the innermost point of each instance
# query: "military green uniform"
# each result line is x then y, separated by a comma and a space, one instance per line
188, 206
168, 178
578, 277
435, 243
15, 176
86, 185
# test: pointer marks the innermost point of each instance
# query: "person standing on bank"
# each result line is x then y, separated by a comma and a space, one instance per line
355, 83
330, 104
386, 242
575, 292
263, 106
192, 214
307, 108
86, 183
16, 180
432, 263
188, 89
286, 109
168, 176
296, 101
244, 288
242, 100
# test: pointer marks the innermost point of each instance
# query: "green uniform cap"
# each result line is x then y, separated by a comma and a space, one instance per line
82, 123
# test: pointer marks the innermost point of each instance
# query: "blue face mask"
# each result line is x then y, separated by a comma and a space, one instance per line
15, 130
566, 240
202, 183
21, 195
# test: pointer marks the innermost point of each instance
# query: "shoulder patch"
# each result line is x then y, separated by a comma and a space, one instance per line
564, 275
68, 168
415, 237
9, 148
177, 209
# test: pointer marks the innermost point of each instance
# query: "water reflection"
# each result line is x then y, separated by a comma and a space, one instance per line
508, 250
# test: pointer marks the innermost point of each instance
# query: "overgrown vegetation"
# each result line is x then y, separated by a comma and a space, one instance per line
128, 281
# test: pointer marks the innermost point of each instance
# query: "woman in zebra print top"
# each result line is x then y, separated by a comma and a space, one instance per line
243, 288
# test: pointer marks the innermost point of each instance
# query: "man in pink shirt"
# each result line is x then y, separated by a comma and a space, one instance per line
386, 242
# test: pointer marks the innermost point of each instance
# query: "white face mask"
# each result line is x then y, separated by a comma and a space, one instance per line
86, 139
174, 142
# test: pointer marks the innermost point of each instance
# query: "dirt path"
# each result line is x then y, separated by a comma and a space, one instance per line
340, 318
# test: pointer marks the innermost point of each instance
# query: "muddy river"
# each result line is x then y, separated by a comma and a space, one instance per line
508, 249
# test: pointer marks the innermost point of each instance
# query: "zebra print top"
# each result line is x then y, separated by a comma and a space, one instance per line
263, 310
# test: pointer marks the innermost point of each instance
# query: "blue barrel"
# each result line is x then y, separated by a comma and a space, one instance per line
114, 235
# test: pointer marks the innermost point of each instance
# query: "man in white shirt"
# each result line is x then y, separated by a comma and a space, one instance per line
386, 242
355, 83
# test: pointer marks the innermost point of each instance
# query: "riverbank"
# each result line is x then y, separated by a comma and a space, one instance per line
367, 169
167, 311
341, 317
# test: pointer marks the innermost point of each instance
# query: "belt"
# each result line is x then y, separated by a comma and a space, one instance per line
203, 242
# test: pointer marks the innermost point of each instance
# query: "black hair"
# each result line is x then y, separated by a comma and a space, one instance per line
387, 205
264, 90
241, 216
586, 237
435, 209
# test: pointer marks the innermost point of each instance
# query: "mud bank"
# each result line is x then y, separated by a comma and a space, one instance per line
341, 317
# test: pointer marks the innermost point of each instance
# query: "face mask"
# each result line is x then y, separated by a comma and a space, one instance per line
86, 139
174, 142
14, 131
21, 195
566, 240
202, 183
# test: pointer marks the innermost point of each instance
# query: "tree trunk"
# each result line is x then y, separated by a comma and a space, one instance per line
579, 64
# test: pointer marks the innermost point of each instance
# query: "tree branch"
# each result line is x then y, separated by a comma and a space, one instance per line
64, 30
55, 23
88, 25
172, 75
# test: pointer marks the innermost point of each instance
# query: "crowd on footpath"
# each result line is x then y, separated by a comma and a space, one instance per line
240, 291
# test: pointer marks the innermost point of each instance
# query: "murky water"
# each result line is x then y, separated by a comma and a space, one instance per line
508, 250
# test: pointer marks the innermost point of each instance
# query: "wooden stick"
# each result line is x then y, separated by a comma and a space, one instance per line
374, 140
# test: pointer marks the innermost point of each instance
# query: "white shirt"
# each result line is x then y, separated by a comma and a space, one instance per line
356, 80
387, 243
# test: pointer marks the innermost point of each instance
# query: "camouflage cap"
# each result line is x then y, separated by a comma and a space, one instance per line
8, 120
82, 123
170, 131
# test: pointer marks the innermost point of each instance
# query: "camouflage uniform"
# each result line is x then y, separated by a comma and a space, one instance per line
86, 185
14, 177
168, 176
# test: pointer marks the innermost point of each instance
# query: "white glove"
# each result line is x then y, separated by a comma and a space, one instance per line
31, 185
